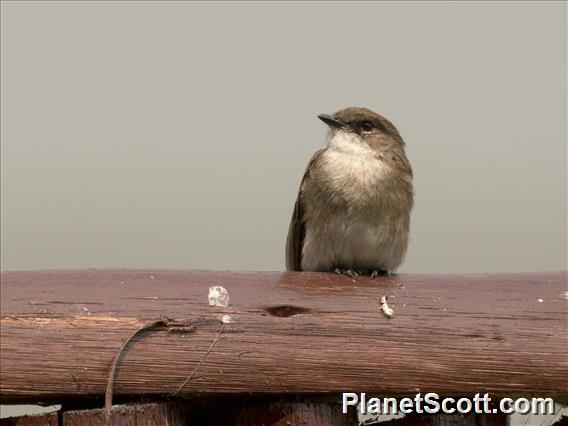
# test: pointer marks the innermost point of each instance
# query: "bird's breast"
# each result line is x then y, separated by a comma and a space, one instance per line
354, 173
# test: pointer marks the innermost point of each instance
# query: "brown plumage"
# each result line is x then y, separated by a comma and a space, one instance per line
352, 213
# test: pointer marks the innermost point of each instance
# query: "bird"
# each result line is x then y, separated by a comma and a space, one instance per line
352, 212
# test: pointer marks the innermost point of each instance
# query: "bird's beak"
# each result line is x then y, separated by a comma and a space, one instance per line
330, 121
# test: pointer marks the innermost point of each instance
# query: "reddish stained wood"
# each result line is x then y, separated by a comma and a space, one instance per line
292, 333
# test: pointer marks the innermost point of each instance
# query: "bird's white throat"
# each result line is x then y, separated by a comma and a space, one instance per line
347, 151
348, 143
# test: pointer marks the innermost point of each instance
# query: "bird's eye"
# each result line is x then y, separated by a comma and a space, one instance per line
366, 126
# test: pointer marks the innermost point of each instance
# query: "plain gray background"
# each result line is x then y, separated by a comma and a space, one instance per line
175, 135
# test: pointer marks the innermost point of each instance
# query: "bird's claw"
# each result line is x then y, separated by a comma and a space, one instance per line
351, 273
375, 273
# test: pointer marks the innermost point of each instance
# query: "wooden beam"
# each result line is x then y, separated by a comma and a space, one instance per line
287, 333
130, 414
229, 413
46, 419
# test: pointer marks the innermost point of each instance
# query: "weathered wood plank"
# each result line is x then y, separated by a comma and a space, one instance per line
161, 414
45, 419
225, 413
245, 412
292, 333
449, 420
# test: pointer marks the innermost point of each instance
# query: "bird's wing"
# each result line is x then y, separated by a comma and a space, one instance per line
296, 230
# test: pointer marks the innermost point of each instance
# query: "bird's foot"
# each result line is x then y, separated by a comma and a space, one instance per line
351, 273
375, 273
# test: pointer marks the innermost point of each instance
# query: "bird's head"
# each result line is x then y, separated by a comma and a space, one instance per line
361, 125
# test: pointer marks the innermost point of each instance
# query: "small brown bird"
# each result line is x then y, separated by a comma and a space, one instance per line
352, 214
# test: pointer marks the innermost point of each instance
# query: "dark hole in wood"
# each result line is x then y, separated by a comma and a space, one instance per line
286, 311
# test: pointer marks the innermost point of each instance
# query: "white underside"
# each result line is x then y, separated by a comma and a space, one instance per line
359, 238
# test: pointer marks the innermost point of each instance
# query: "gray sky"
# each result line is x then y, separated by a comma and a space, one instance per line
175, 135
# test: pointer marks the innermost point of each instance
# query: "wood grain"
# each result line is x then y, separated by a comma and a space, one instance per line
130, 415
234, 413
46, 419
292, 333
